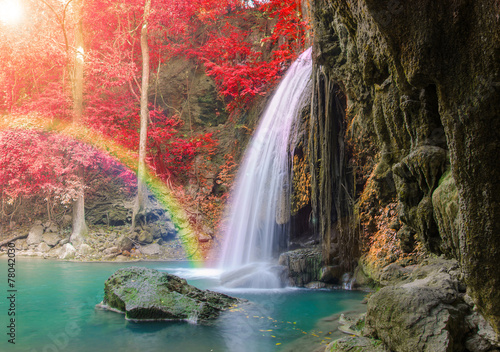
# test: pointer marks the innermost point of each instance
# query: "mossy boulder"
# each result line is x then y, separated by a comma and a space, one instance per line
146, 294
424, 312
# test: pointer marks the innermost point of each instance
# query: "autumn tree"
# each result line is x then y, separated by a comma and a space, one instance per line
75, 65
79, 225
44, 65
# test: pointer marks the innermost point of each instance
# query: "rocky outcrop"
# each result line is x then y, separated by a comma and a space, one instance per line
421, 308
124, 243
105, 244
151, 249
147, 294
51, 238
420, 81
35, 235
425, 314
43, 247
425, 309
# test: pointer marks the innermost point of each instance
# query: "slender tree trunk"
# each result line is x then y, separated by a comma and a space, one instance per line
78, 66
80, 229
141, 170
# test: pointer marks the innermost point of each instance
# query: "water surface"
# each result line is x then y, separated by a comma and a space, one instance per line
55, 311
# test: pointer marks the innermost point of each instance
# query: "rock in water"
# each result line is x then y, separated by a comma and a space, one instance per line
148, 294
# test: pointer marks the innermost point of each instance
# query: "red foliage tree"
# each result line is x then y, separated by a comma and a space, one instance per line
34, 76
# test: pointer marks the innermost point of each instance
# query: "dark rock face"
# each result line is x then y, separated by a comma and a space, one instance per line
148, 294
422, 85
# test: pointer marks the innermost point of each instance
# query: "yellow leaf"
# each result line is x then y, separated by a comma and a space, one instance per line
279, 343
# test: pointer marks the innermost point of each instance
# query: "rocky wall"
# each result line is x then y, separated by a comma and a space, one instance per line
421, 81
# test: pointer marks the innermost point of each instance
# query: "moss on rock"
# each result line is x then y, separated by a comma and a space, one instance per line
148, 294
421, 80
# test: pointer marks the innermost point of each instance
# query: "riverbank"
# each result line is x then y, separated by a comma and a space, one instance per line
103, 243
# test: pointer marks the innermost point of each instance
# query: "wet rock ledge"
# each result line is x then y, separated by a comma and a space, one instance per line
146, 294
420, 308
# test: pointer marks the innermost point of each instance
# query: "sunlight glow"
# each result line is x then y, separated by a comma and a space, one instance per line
80, 54
11, 11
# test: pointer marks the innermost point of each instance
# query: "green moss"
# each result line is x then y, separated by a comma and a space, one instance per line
144, 293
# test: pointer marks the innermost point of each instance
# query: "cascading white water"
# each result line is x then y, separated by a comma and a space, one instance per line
262, 187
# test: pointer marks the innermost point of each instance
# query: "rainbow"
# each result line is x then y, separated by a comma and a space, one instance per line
125, 156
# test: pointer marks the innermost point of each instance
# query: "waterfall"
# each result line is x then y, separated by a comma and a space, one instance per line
259, 206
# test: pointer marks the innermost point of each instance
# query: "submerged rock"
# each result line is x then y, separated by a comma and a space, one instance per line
148, 294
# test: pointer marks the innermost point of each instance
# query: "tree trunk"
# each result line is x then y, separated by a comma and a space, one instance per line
78, 65
80, 229
141, 170
79, 226
17, 237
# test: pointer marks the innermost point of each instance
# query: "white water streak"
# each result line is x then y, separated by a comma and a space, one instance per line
263, 179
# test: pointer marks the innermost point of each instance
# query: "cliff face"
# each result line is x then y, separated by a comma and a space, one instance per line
405, 132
